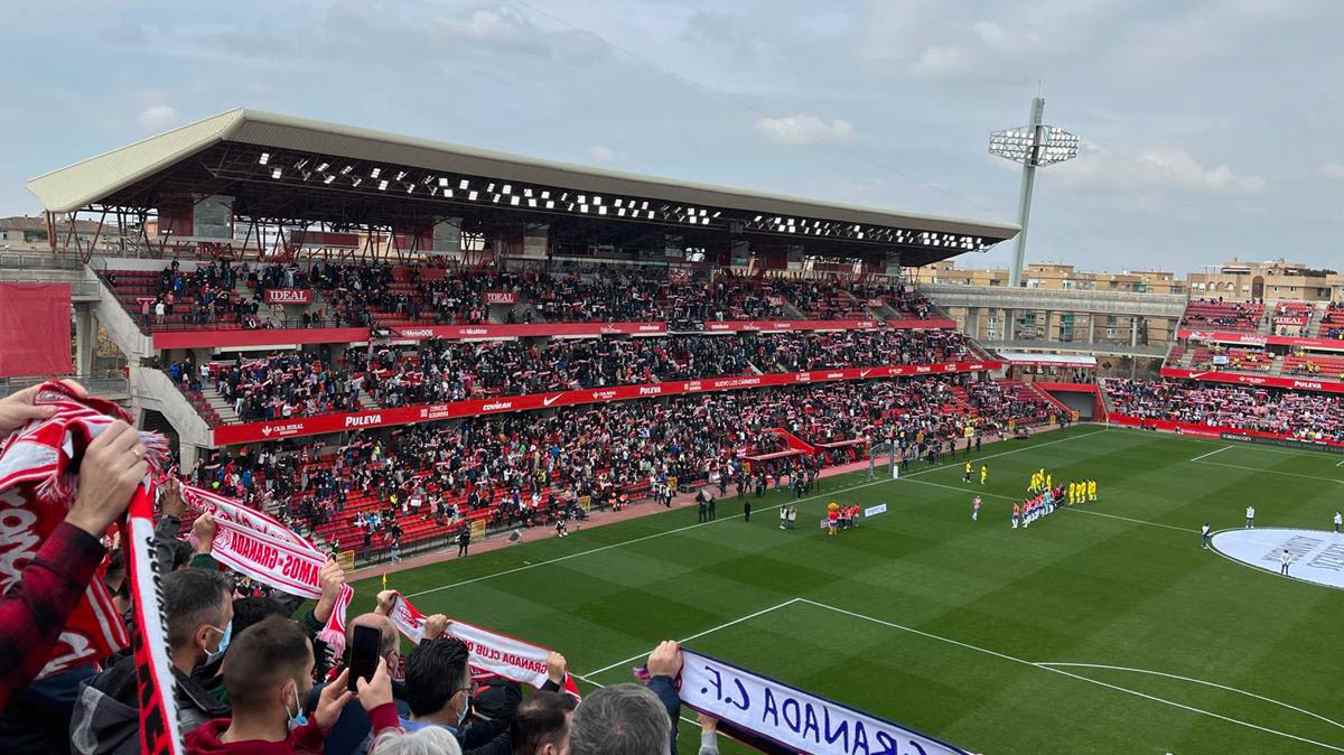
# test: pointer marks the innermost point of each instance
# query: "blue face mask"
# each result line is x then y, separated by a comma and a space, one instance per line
226, 634
297, 718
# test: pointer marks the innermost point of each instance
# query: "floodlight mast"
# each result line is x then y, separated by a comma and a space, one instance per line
1035, 146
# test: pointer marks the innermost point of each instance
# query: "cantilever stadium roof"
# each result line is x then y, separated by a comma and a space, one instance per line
257, 157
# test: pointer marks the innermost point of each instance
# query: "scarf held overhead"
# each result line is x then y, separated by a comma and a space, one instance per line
253, 543
39, 466
491, 653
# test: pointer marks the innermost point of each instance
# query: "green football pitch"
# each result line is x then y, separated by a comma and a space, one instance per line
1103, 628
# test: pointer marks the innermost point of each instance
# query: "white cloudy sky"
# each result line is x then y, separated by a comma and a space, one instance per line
1212, 128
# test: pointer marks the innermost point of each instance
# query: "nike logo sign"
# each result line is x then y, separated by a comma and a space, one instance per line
864, 373
552, 399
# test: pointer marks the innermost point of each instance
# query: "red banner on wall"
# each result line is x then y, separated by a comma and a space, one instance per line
1256, 381
35, 329
1251, 339
253, 432
501, 297
288, 296
1217, 431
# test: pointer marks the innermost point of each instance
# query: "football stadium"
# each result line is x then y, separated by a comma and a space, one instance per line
318, 438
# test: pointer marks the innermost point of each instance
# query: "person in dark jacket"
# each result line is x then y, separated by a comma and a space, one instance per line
200, 613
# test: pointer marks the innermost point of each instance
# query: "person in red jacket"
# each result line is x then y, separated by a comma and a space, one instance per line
268, 672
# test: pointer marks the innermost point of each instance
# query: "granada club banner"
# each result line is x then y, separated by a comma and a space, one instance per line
1256, 381
288, 296
254, 432
501, 297
793, 720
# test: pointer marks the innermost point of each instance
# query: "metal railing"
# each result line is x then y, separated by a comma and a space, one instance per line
96, 385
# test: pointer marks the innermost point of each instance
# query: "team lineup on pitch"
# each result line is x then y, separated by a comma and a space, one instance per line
985, 603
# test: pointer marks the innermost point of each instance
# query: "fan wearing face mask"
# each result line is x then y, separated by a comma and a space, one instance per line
268, 673
199, 608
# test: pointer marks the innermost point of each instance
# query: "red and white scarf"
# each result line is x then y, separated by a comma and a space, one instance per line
38, 478
491, 653
39, 465
254, 543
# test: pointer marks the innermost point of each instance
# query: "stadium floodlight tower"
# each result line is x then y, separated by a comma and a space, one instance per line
1035, 145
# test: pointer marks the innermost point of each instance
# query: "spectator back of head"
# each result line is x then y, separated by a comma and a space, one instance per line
430, 740
435, 672
192, 598
541, 725
625, 719
262, 659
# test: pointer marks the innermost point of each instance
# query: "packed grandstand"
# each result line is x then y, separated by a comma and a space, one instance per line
341, 395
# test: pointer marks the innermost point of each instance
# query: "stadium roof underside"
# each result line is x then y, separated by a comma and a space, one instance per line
279, 169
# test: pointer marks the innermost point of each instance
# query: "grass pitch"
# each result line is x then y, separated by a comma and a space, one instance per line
1104, 628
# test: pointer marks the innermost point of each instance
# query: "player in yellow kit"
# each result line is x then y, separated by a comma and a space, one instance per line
984, 473
1091, 490
1073, 493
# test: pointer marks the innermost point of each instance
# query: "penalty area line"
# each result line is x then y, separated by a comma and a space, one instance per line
1052, 669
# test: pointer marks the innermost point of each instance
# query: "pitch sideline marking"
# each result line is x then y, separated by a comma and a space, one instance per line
1046, 667
698, 635
1204, 682
1270, 471
1211, 453
1306, 452
730, 517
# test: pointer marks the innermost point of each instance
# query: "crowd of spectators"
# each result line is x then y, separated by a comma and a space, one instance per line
531, 468
1307, 416
789, 352
312, 382
248, 669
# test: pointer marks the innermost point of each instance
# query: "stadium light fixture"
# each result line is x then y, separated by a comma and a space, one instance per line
472, 196
515, 200
1035, 145
508, 189
443, 182
323, 167
546, 195
382, 185
448, 193
328, 179
401, 174
265, 158
375, 172
357, 182
276, 173
462, 186
346, 170
601, 210
550, 204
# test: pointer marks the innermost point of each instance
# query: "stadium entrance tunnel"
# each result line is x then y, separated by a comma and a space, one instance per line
1314, 556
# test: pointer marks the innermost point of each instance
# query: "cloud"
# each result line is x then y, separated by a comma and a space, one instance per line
158, 117
1155, 168
804, 128
942, 60
600, 154
1333, 170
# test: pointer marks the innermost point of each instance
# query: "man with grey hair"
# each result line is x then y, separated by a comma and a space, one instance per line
629, 719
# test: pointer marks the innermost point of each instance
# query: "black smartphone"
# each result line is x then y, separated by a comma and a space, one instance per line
363, 655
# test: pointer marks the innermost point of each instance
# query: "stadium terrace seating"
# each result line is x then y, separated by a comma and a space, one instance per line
1314, 416
203, 298
308, 383
1332, 323
224, 295
1315, 364
518, 469
1208, 314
